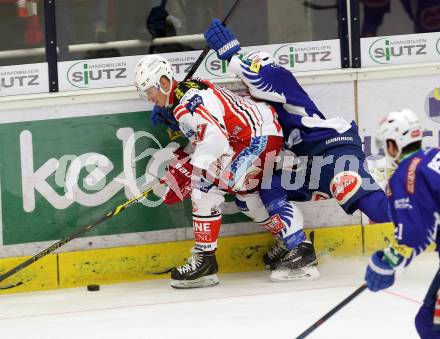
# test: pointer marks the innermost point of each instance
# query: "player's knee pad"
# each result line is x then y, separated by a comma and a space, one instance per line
252, 206
207, 203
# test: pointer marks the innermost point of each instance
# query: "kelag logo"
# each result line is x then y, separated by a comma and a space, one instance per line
385, 50
216, 67
432, 105
291, 56
83, 74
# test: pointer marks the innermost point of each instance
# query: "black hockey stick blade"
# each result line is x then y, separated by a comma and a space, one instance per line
332, 311
165, 271
206, 50
72, 236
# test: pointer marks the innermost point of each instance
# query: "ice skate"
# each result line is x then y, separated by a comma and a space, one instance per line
200, 271
298, 264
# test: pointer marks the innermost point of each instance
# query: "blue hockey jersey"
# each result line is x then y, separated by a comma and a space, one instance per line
414, 194
306, 130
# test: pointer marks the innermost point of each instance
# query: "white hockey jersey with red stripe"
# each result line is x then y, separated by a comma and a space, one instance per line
219, 122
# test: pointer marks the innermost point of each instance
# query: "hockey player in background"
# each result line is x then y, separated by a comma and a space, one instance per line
232, 136
414, 195
424, 13
334, 166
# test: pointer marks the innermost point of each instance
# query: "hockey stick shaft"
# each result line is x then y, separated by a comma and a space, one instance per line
206, 50
74, 235
332, 311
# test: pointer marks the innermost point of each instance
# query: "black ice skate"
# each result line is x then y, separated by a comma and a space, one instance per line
200, 271
298, 264
274, 254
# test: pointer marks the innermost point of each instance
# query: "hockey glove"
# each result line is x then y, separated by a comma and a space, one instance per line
163, 115
380, 273
222, 40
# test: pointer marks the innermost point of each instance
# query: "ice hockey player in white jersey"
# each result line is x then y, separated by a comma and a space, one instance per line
307, 133
232, 137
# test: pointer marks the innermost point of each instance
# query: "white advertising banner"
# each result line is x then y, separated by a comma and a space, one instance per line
96, 73
400, 49
24, 79
115, 72
376, 98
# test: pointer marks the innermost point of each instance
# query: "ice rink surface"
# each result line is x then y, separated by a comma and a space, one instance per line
244, 305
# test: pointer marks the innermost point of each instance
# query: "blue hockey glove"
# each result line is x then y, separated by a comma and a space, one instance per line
380, 273
163, 115
222, 40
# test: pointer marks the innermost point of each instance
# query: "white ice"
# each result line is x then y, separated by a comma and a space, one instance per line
244, 305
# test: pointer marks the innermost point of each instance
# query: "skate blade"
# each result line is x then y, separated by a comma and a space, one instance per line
306, 273
207, 281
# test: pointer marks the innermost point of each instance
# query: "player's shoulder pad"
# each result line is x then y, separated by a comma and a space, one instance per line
187, 91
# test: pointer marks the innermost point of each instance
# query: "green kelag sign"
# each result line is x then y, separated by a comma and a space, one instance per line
57, 175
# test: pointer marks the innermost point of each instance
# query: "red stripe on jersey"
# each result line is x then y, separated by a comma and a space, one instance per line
275, 118
237, 117
203, 112
234, 109
180, 111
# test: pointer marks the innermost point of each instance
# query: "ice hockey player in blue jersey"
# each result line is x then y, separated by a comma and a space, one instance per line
414, 195
334, 164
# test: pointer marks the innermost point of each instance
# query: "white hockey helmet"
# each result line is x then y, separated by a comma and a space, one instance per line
261, 57
148, 72
403, 127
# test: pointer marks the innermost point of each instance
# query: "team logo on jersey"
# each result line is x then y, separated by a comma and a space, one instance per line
248, 155
237, 130
411, 175
345, 185
255, 66
274, 224
194, 102
434, 164
402, 204
190, 134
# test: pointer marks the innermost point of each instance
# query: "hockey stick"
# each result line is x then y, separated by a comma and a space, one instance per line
206, 50
72, 236
332, 311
